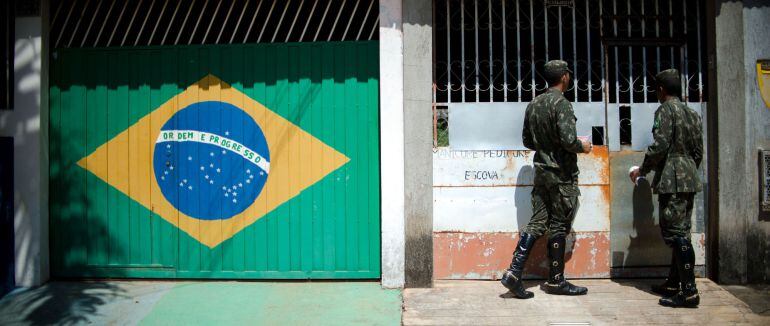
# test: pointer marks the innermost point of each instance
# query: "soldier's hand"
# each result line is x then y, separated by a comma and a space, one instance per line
634, 174
587, 146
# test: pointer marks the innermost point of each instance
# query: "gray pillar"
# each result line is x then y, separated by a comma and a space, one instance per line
418, 142
732, 150
756, 28
741, 122
392, 143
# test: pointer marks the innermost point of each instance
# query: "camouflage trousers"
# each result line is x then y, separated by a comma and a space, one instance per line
552, 211
675, 213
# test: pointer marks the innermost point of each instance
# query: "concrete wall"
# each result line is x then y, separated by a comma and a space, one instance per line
27, 124
418, 141
392, 142
406, 138
756, 22
742, 121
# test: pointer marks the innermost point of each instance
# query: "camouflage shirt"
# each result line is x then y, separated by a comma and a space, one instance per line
677, 151
549, 129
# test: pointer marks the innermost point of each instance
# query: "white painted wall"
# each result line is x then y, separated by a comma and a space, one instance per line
498, 125
392, 142
25, 125
490, 191
504, 168
508, 209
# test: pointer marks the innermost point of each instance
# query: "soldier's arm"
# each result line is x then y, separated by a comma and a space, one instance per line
565, 123
697, 148
661, 132
526, 134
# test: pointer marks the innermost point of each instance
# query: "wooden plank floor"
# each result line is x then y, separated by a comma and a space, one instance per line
609, 302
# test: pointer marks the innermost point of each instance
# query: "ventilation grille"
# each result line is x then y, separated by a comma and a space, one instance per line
108, 23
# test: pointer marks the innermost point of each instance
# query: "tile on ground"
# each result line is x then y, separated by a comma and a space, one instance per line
608, 302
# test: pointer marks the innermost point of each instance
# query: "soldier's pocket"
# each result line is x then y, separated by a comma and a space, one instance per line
569, 190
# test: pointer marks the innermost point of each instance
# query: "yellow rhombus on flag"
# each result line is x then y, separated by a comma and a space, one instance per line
287, 177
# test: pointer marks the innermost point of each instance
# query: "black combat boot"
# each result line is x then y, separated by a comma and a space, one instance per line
512, 277
685, 261
556, 283
671, 285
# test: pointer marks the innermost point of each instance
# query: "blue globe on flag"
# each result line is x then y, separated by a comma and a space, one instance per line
211, 160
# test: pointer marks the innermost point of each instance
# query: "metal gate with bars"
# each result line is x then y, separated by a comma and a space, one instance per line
488, 60
494, 50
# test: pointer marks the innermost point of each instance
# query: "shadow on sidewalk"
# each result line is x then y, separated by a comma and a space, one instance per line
643, 285
756, 296
58, 303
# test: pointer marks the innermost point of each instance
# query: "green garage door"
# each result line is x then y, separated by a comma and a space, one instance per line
247, 161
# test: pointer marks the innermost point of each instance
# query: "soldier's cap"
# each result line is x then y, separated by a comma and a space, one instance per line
668, 76
555, 69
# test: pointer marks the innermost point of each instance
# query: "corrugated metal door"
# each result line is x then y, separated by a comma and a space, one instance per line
243, 161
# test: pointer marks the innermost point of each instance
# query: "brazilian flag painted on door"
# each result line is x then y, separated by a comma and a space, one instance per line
243, 161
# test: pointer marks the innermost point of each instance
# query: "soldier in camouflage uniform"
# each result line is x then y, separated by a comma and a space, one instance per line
675, 157
549, 130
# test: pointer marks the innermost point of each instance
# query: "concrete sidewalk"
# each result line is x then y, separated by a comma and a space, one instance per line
609, 302
366, 303
203, 303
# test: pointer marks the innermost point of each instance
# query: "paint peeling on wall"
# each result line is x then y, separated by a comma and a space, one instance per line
482, 198
490, 191
485, 255
506, 209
